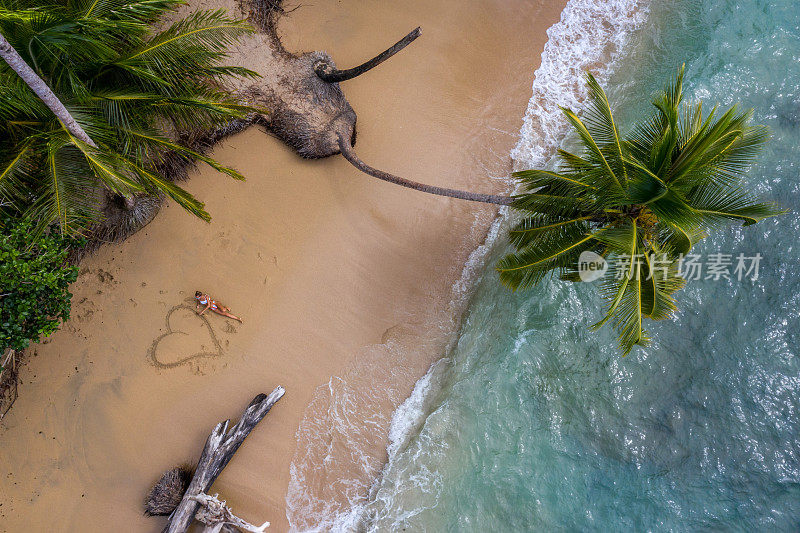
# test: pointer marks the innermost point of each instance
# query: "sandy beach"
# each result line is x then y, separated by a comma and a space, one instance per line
327, 267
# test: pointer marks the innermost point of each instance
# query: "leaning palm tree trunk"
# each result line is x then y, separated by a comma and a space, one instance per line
348, 153
45, 94
332, 75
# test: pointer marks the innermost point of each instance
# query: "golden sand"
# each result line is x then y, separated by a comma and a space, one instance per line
323, 263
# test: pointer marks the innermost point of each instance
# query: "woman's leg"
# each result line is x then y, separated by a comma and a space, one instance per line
219, 311
232, 316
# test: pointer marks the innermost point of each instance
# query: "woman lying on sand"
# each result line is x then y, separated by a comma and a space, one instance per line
205, 299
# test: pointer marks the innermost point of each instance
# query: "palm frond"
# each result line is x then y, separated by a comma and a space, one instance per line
526, 232
15, 173
65, 197
556, 249
556, 205
718, 205
602, 127
142, 11
187, 153
108, 168
593, 149
156, 184
186, 46
661, 280
674, 210
678, 238
624, 241
628, 318
711, 143
644, 186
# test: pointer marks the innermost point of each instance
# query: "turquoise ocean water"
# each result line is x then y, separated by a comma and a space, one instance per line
532, 423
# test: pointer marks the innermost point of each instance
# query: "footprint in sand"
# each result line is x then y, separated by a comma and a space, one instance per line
83, 310
104, 276
189, 337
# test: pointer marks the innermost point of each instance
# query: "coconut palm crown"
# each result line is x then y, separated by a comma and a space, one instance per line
639, 201
130, 87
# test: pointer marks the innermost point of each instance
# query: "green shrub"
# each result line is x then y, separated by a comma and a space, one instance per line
34, 283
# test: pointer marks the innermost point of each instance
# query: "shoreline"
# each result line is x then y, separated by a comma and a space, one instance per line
328, 264
571, 49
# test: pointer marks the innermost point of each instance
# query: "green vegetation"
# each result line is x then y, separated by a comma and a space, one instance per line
34, 282
129, 88
639, 201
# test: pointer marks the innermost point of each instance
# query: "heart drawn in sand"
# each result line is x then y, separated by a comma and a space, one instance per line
189, 336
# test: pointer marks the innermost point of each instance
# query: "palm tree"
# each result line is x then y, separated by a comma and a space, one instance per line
640, 202
111, 97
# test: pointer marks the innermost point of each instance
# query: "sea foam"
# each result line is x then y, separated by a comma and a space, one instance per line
589, 37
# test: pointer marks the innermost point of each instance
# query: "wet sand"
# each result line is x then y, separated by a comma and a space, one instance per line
323, 263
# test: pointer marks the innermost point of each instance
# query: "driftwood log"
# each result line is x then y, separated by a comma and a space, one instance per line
218, 517
220, 446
